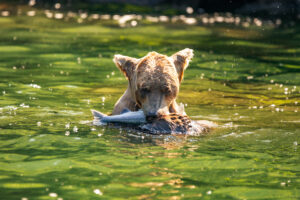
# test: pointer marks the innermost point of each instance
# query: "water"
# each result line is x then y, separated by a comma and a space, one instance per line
52, 72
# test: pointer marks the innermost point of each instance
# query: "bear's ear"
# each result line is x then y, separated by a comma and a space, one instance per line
181, 61
126, 64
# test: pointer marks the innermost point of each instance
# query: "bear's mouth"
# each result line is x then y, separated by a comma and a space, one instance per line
151, 118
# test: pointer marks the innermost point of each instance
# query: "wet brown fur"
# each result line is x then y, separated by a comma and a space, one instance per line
172, 123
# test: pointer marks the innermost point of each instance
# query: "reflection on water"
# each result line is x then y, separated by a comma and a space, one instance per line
53, 72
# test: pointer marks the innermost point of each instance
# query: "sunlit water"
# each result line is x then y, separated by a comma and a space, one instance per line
53, 72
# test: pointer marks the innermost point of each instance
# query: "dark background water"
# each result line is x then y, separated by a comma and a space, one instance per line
288, 9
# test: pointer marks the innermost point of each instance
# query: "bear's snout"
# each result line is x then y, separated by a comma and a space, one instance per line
154, 103
153, 111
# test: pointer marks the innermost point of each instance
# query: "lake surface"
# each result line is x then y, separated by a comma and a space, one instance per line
52, 72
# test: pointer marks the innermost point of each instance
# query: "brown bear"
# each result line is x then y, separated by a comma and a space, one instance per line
154, 82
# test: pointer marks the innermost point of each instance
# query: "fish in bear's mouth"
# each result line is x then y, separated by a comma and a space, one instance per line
163, 124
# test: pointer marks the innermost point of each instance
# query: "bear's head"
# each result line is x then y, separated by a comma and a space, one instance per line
154, 80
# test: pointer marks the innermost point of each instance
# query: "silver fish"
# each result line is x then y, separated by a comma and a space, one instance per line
137, 121
127, 117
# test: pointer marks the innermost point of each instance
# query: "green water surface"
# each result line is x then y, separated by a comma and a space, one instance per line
52, 72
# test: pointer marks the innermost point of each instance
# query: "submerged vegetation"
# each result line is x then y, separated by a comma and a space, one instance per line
52, 72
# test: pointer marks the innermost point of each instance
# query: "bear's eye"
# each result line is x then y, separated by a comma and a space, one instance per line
144, 91
167, 90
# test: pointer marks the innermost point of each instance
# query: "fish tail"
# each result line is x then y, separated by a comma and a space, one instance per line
98, 114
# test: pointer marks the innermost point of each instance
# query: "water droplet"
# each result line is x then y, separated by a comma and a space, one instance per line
24, 106
48, 14
31, 140
249, 77
95, 16
34, 86
57, 6
83, 15
98, 192
59, 15
278, 22
133, 23
31, 2
5, 13
67, 126
75, 129
52, 194
31, 13
189, 10
79, 60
